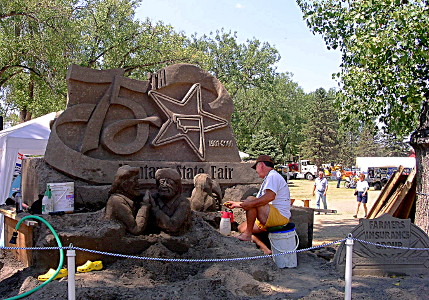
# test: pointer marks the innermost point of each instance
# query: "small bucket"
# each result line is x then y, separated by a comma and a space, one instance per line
63, 196
284, 241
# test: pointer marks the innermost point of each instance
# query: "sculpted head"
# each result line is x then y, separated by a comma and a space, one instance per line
126, 181
169, 183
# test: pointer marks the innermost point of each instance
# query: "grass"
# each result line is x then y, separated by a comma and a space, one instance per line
341, 199
331, 227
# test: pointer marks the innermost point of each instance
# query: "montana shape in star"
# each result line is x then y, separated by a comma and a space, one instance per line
186, 120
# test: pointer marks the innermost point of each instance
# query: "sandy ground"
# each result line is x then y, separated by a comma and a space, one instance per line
315, 277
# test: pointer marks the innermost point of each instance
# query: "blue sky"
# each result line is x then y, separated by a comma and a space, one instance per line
278, 22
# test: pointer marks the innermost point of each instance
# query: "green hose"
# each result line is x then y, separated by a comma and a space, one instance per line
61, 255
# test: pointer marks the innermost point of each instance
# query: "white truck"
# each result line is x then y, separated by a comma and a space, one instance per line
306, 169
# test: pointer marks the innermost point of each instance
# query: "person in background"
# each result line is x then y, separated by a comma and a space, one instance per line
338, 174
321, 187
362, 188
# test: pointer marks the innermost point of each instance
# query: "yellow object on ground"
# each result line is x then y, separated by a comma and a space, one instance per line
47, 275
90, 266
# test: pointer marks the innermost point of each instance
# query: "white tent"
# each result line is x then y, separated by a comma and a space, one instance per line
29, 138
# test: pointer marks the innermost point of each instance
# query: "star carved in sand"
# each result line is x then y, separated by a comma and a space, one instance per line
186, 120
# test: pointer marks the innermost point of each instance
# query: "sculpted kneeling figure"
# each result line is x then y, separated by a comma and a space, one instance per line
123, 204
166, 209
170, 210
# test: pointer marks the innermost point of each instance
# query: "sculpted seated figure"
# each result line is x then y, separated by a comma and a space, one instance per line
170, 210
123, 204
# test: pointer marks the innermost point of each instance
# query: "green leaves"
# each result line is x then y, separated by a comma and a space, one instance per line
384, 48
39, 40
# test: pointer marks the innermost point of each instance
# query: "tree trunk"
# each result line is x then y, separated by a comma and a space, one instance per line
24, 114
420, 143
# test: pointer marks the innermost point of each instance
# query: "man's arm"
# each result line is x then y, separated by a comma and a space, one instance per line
252, 202
327, 185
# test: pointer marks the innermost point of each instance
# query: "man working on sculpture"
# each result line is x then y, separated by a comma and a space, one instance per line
270, 207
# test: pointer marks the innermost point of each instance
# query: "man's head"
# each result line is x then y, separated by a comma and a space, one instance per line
321, 174
263, 165
126, 181
168, 182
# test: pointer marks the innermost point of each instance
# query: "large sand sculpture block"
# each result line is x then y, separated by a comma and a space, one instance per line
374, 259
179, 118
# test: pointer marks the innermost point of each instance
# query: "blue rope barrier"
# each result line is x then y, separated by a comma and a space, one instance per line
208, 259
388, 246
173, 259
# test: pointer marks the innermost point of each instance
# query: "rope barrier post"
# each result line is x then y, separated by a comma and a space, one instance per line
349, 267
71, 266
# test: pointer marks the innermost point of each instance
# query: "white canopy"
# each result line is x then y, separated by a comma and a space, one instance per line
29, 138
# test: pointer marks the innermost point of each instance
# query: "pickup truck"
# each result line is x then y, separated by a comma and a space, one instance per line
378, 176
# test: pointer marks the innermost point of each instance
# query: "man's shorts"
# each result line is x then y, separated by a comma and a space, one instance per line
275, 218
362, 198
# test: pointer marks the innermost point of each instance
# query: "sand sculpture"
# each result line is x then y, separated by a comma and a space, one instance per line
179, 118
123, 204
170, 210
206, 195
165, 210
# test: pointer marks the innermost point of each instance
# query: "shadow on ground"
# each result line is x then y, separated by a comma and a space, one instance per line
326, 230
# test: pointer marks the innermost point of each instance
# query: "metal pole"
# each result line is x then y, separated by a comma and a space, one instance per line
349, 267
71, 266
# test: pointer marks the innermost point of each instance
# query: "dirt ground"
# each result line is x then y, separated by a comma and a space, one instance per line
315, 277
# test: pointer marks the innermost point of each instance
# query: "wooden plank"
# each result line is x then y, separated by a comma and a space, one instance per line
404, 191
305, 201
400, 197
25, 239
390, 201
405, 209
385, 193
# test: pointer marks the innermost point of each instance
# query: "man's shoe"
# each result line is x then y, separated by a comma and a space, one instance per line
355, 216
318, 213
90, 266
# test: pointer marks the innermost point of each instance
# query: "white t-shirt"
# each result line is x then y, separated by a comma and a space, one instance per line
362, 186
276, 183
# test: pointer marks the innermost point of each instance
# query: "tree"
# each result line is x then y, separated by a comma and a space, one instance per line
237, 66
32, 35
277, 109
320, 144
39, 40
384, 71
367, 143
392, 146
263, 143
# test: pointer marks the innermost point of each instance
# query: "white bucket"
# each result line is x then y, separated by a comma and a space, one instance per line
63, 196
284, 242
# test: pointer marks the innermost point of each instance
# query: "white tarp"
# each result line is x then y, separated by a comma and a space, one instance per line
243, 155
29, 138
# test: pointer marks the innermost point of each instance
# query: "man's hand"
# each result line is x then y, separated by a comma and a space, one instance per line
232, 204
